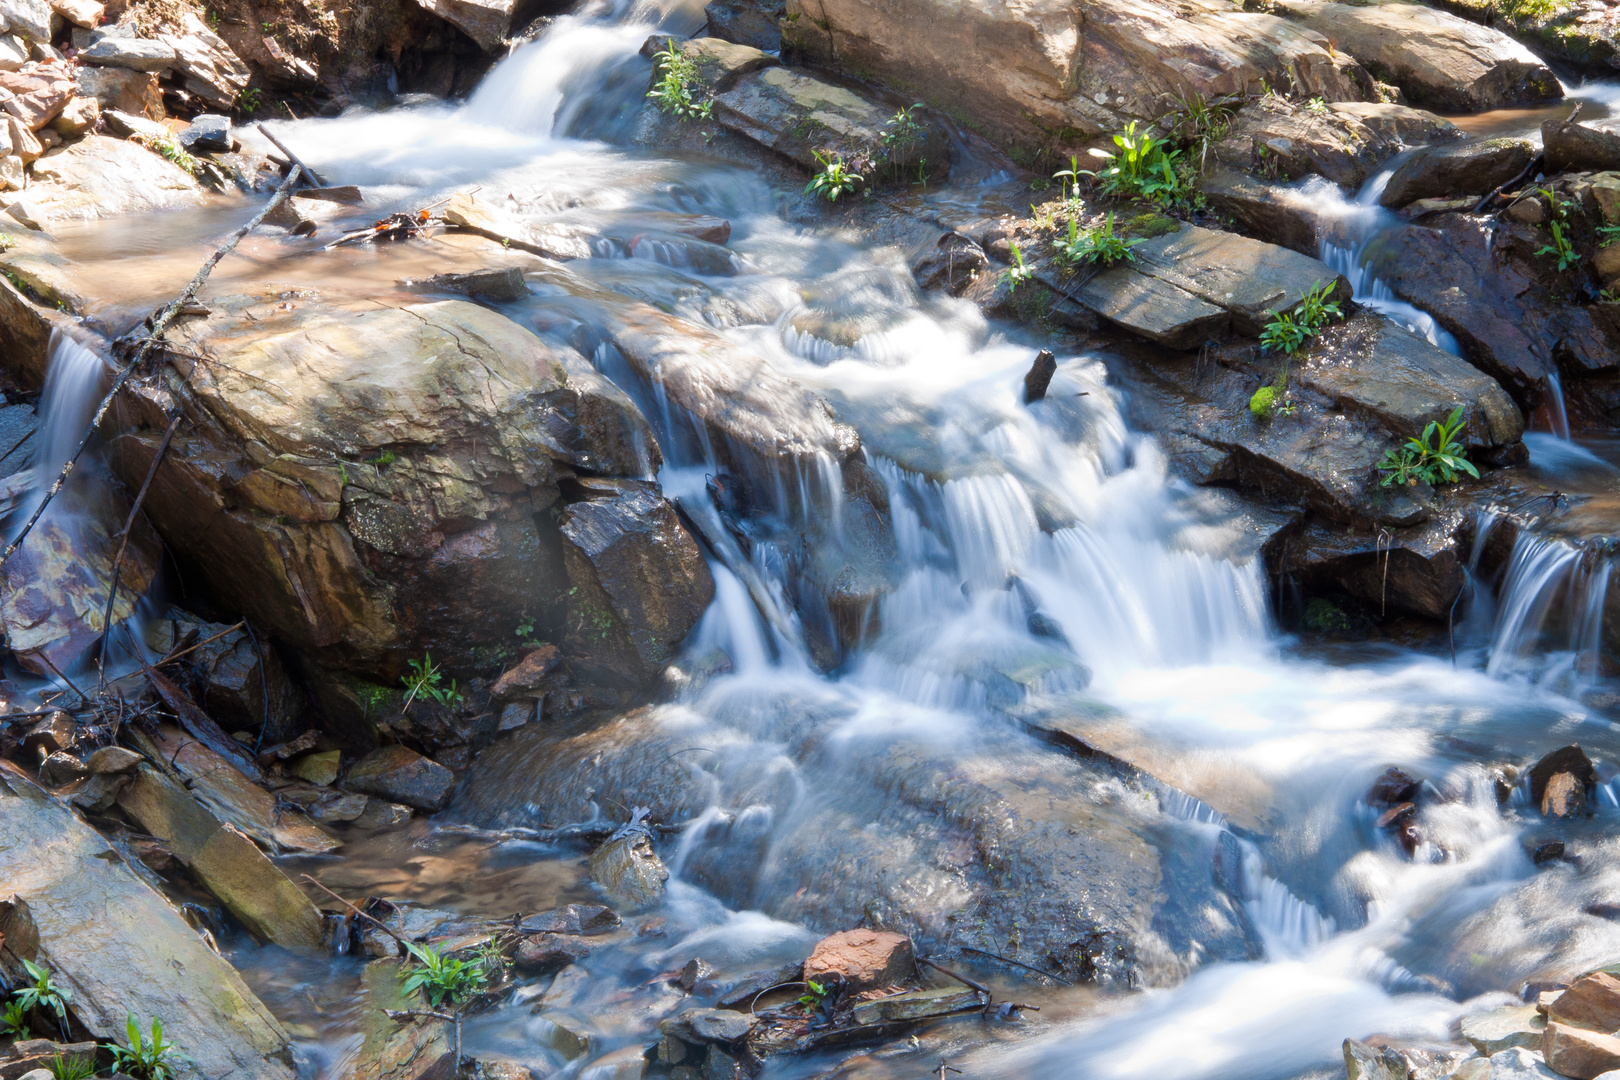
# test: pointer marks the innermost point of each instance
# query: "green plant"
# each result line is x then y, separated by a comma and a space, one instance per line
674, 92
816, 993
144, 1058
834, 179
903, 127
1316, 106
424, 680
44, 993
525, 633
14, 1020
1098, 244
1559, 247
382, 460
1263, 400
371, 696
492, 960
78, 1067
1325, 616
248, 100
1315, 310
1070, 177
1284, 333
1435, 457
1200, 122
439, 976
169, 148
1018, 273
1141, 167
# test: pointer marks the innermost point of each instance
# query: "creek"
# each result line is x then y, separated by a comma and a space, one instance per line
1046, 563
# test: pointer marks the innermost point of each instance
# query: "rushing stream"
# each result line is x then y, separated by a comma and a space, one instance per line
1047, 564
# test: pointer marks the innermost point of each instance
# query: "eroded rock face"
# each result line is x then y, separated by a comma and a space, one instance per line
1345, 142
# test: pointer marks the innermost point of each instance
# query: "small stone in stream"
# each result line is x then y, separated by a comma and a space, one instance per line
1563, 797
346, 194
1039, 376
528, 678
627, 1063
113, 759
515, 714
320, 768
1592, 1001
708, 1025
154, 854
1568, 759
381, 814
1395, 815
288, 750
1519, 1025
693, 973
1542, 852
543, 954
1518, 1064
574, 919
628, 868
672, 1051
1363, 1062
340, 806
720, 1065
136, 54
98, 793
403, 775
494, 285
208, 133
1392, 788
920, 1005
1576, 1052
56, 732
742, 993
61, 768
1603, 909
867, 959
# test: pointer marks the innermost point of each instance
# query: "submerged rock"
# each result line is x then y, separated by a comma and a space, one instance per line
1562, 783
628, 868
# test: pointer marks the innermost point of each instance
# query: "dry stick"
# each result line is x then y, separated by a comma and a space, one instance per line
297, 164
963, 979
1018, 963
200, 644
158, 328
380, 925
47, 662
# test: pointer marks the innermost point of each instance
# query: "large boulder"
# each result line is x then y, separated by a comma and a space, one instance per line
1468, 168
1439, 61
1345, 142
97, 176
488, 22
1570, 146
1021, 70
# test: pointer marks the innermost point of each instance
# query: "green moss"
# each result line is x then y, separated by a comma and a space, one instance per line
1325, 617
1263, 401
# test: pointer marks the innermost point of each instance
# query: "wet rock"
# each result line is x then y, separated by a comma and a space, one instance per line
61, 768
718, 63
1541, 852
918, 1005
543, 954
135, 54
1346, 142
496, 286
742, 993
1570, 146
1562, 782
1467, 168
224, 860
1039, 376
100, 792
584, 919
382, 814
628, 869
1440, 61
319, 768
748, 22
1501, 1029
208, 133
120, 946
1592, 1001
415, 1049
242, 680
693, 973
528, 679
628, 1063
1419, 569
1152, 308
338, 807
797, 115
952, 264
1579, 1053
402, 775
1363, 1062
1391, 788
56, 732
40, 1058
550, 240
708, 1025
866, 959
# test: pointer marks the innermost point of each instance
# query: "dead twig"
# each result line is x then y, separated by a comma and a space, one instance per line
1017, 963
943, 1068
379, 923
129, 526
963, 979
47, 662
292, 157
158, 327
200, 644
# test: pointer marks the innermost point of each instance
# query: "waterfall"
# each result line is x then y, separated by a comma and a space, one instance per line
1552, 598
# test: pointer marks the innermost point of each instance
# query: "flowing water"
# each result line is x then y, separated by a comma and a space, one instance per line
1045, 563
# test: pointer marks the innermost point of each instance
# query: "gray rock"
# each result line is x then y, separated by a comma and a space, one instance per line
29, 20
628, 868
209, 132
1468, 168
1345, 142
1570, 147
1155, 309
1502, 1029
402, 775
493, 285
211, 70
1517, 1063
747, 22
1363, 1062
136, 54
708, 1025
61, 768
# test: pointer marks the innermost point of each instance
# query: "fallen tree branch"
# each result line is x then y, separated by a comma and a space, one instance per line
129, 525
292, 157
963, 979
380, 924
158, 327
1018, 963
200, 644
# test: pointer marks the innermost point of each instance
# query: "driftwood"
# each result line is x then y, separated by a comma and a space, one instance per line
308, 172
158, 327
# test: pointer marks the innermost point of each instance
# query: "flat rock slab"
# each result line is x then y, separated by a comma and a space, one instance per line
1441, 61
1155, 309
122, 949
719, 63
97, 176
1502, 1029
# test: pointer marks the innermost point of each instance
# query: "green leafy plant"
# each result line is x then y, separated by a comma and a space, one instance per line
14, 1020
1288, 331
168, 148
248, 100
1200, 122
424, 680
439, 976
43, 993
1610, 234
1070, 179
1098, 244
834, 179
492, 960
371, 696
525, 633
1324, 616
1018, 273
1316, 106
1435, 457
145, 1058
382, 460
78, 1067
1315, 310
1140, 167
1560, 247
815, 994
674, 93
903, 127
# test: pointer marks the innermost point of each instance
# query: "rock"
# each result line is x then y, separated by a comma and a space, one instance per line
1439, 61
952, 264
224, 860
1467, 168
394, 772
718, 63
1153, 308
708, 1025
918, 1005
1567, 797
208, 133
1363, 1062
319, 769
61, 768
642, 582
553, 241
85, 13
1345, 142
720, 1065
741, 994
1493, 1032
58, 731
799, 116
628, 868
112, 759
1592, 1001
694, 973
236, 669
97, 176
584, 919
24, 143
748, 22
136, 54
39, 1074
487, 22
494, 286
120, 947
339, 807
208, 66
29, 20
568, 1035
543, 954
13, 52
38, 106
416, 1049
866, 959
627, 1063
1087, 67
1574, 147
528, 679
1277, 213
1392, 788
123, 90
40, 1058
78, 116
1039, 376
128, 126
1578, 1053
381, 814
1518, 1064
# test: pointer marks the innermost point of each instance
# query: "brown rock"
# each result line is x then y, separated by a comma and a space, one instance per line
527, 679
1392, 788
402, 775
319, 768
113, 759
133, 92
382, 814
1568, 759
1572, 147
61, 768
1563, 796
544, 953
77, 116
867, 959
56, 732
1592, 1002
1579, 1053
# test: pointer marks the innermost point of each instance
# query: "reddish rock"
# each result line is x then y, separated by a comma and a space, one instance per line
1392, 788
1564, 797
1592, 1002
113, 759
527, 679
867, 959
1578, 1053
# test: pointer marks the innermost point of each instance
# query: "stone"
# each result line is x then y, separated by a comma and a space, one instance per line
401, 774
584, 919
1392, 787
1544, 1001
1592, 1001
1439, 61
57, 731
1345, 142
136, 54
865, 959
543, 954
39, 107
718, 64
319, 768
1518, 1063
748, 22
719, 1065
1572, 147
11, 172
224, 860
208, 133
1152, 308
99, 793
1570, 794
1501, 1029
563, 1032
120, 946
1364, 1062
127, 125
382, 814
61, 768
495, 286
13, 52
799, 116
237, 669
628, 1063
487, 22
628, 869
419, 1048
917, 1005
29, 20
208, 66
1576, 1052
528, 679
1563, 797
97, 176
1039, 376
553, 241
338, 807
24, 143
708, 1025
1474, 167
78, 116
40, 1058
514, 714
694, 972
85, 13
122, 90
